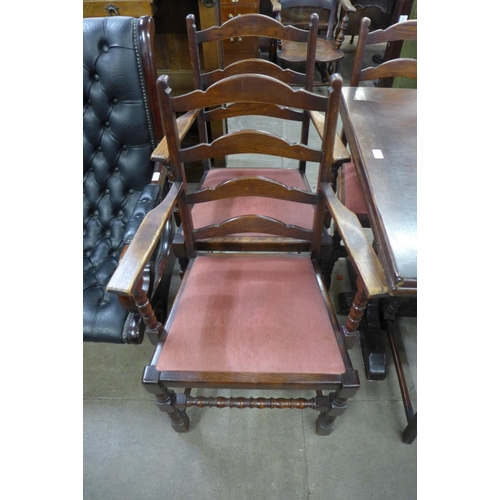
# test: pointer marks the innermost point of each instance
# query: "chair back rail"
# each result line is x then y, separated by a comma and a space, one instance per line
251, 186
253, 224
406, 30
253, 109
254, 66
263, 27
244, 89
250, 141
251, 25
403, 67
399, 67
257, 90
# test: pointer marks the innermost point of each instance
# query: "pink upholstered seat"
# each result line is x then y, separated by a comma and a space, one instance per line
215, 212
353, 195
251, 314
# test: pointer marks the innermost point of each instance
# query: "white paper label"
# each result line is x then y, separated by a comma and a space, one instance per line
377, 153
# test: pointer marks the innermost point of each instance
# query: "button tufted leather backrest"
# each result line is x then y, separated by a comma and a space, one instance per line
117, 132
118, 139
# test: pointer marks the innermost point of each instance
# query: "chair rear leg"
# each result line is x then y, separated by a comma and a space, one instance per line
180, 251
326, 262
273, 48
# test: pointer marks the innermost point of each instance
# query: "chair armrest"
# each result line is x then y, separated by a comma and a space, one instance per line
146, 202
340, 152
276, 5
184, 123
129, 270
347, 6
363, 257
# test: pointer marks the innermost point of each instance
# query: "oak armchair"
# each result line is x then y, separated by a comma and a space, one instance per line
244, 319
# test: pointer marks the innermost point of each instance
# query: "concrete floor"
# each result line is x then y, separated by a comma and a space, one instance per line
131, 452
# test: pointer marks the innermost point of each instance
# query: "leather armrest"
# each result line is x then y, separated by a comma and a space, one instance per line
363, 257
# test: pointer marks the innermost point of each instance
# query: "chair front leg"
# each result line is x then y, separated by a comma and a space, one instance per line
350, 329
178, 418
166, 399
154, 328
330, 408
335, 404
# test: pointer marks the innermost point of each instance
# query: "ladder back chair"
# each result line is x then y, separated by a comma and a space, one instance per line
121, 128
251, 25
241, 26
244, 319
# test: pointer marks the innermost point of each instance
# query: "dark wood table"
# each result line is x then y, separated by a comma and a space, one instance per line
381, 129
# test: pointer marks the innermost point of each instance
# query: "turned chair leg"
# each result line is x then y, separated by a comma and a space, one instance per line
330, 408
335, 404
166, 399
350, 329
178, 418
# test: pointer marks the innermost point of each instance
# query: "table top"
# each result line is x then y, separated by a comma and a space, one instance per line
381, 129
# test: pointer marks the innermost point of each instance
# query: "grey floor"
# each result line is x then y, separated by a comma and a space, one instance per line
131, 452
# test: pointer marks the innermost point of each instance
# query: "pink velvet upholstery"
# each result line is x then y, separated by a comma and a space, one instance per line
353, 195
215, 212
256, 314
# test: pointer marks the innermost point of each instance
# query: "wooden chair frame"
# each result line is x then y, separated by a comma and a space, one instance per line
126, 280
242, 26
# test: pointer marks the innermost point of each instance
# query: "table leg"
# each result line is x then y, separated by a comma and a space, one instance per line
410, 432
372, 340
